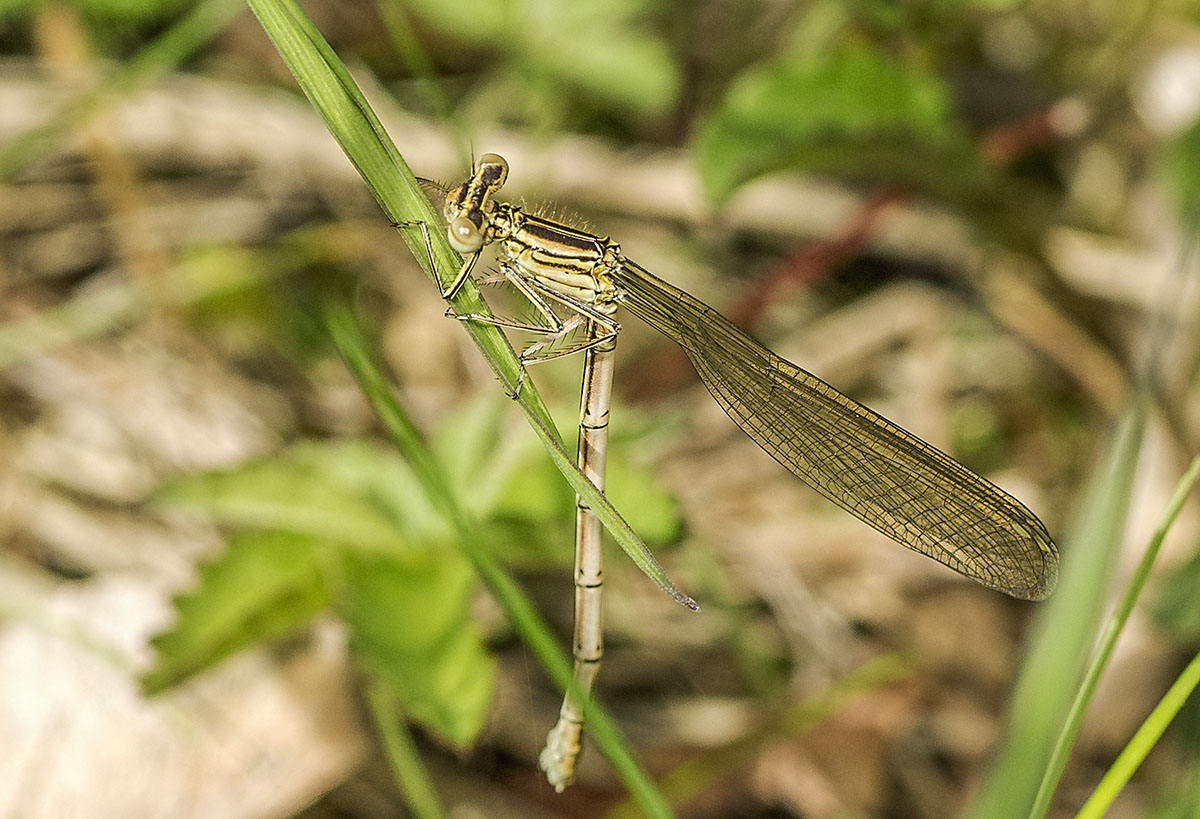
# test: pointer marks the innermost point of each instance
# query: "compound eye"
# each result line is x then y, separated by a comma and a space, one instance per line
463, 235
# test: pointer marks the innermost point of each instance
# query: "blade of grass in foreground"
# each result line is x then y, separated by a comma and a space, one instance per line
1066, 629
1108, 641
328, 85
534, 633
402, 756
1143, 741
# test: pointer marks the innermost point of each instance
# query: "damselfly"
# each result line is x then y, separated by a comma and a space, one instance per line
875, 470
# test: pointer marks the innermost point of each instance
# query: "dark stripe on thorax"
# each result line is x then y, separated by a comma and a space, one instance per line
547, 234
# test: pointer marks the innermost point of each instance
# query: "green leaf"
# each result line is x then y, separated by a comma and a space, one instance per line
780, 112
130, 13
508, 484
409, 627
527, 490
348, 492
263, 587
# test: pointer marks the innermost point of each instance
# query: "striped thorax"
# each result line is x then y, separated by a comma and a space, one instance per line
568, 262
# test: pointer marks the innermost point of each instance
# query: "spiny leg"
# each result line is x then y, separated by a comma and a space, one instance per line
601, 326
464, 272
553, 325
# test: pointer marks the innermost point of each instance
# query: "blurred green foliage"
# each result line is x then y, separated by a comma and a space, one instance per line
870, 90
605, 51
114, 25
797, 111
341, 525
345, 526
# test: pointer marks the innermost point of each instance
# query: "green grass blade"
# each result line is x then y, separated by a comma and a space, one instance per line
534, 632
1108, 641
412, 780
1066, 630
354, 125
1143, 741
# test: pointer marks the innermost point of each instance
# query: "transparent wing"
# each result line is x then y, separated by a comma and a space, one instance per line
875, 470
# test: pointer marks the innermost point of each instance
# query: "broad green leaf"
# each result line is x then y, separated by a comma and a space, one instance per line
508, 484
348, 492
129, 13
527, 508
409, 627
264, 586
527, 490
777, 113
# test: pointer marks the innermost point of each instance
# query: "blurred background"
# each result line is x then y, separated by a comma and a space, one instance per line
974, 216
